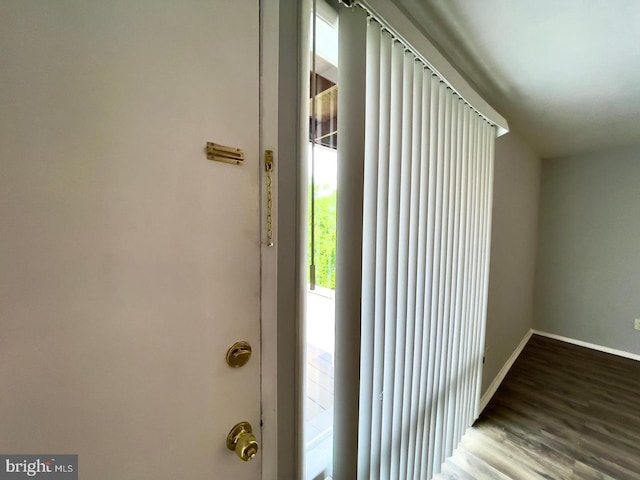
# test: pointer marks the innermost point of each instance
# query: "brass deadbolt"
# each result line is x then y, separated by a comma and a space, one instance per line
239, 354
243, 441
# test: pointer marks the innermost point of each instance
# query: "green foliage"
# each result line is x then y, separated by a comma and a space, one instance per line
325, 236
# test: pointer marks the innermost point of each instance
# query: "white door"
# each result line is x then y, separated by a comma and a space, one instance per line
129, 263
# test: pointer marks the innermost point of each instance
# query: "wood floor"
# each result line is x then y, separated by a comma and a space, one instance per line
562, 412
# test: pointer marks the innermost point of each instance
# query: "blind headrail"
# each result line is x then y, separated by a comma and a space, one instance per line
404, 31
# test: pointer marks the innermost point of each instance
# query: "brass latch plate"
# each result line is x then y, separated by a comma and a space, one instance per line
220, 153
268, 160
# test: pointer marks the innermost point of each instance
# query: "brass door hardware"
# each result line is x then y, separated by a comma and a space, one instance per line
268, 167
243, 441
220, 153
268, 160
239, 354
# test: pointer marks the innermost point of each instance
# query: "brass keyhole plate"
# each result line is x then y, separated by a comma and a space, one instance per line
239, 354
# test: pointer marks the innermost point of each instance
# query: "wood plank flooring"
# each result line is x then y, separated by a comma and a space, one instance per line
562, 412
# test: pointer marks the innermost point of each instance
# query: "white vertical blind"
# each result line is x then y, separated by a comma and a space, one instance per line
425, 249
351, 125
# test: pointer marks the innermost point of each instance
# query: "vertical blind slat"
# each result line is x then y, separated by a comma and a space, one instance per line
444, 260
414, 333
398, 435
436, 325
465, 272
460, 290
348, 304
381, 248
452, 254
456, 372
481, 242
491, 135
474, 265
370, 212
432, 232
483, 263
386, 43
452, 354
395, 152
424, 239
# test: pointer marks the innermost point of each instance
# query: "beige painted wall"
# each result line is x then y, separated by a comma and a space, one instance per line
129, 263
513, 251
588, 270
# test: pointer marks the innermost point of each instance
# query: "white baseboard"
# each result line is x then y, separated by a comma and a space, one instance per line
592, 346
488, 395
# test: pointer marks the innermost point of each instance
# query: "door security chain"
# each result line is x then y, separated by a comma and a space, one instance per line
268, 167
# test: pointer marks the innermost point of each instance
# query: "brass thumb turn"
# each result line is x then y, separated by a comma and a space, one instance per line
239, 354
243, 441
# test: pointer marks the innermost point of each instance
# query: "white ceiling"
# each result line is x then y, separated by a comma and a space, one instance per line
565, 73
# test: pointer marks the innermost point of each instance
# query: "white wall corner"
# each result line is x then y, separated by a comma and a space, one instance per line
493, 388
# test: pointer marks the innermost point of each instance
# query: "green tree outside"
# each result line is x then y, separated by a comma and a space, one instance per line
325, 236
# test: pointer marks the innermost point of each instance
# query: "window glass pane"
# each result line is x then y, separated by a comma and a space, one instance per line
322, 180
